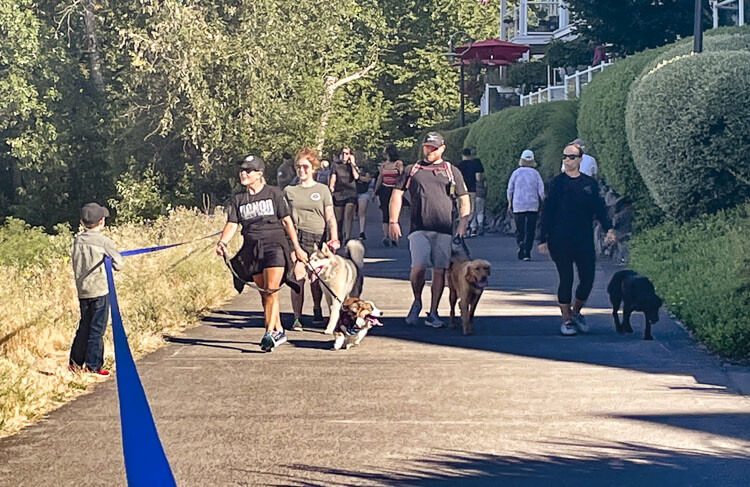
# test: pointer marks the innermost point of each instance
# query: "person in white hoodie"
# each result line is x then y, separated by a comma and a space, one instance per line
525, 193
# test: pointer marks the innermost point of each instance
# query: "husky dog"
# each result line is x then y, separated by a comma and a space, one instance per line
357, 317
340, 275
466, 281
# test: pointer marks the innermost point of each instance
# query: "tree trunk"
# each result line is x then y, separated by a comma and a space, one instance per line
92, 46
331, 86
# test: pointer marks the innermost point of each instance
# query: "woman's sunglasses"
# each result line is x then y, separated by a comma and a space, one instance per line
571, 156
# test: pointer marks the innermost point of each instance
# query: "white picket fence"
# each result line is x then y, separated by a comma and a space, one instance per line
571, 87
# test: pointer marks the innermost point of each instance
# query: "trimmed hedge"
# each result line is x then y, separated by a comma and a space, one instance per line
601, 123
702, 271
737, 41
687, 124
500, 138
454, 143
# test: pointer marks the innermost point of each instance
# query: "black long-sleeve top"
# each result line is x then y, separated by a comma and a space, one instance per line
569, 209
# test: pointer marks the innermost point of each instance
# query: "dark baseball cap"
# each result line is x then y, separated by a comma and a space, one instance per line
91, 213
434, 139
253, 163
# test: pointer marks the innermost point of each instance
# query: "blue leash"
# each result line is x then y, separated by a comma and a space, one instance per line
146, 463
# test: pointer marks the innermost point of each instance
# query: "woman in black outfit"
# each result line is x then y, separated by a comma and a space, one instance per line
344, 174
567, 232
265, 257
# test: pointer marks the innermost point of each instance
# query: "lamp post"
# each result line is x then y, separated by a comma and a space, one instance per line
697, 28
451, 55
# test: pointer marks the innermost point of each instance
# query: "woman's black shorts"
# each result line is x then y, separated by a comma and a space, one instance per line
344, 201
273, 256
308, 241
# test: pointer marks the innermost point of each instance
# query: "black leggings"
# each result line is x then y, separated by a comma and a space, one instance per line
384, 194
565, 255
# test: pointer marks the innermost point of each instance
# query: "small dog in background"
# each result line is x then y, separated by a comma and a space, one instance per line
356, 319
636, 293
466, 281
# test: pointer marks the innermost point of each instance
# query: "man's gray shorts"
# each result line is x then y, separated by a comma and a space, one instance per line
430, 249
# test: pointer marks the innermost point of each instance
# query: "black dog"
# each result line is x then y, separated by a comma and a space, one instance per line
636, 293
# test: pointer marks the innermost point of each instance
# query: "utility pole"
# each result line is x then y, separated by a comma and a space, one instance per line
461, 118
452, 55
698, 28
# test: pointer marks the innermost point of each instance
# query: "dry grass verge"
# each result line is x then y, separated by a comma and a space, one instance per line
159, 293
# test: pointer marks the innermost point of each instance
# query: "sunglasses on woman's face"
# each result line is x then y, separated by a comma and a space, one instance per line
570, 156
304, 167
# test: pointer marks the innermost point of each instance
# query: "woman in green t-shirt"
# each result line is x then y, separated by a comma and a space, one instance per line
312, 211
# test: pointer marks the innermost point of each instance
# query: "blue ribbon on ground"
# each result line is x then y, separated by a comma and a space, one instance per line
145, 461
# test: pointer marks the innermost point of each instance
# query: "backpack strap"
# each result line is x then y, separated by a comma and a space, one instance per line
445, 166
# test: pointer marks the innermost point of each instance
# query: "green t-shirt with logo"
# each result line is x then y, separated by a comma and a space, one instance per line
308, 206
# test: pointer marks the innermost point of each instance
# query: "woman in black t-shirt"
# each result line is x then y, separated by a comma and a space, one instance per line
264, 257
344, 174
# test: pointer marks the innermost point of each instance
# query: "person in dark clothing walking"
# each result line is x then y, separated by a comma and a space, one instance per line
567, 233
342, 184
434, 187
473, 173
265, 256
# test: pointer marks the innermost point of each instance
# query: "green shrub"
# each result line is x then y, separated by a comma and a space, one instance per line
138, 198
500, 138
454, 144
22, 245
601, 123
701, 270
560, 129
736, 41
687, 124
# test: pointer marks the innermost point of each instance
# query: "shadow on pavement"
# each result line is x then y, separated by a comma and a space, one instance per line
539, 337
710, 423
618, 463
213, 343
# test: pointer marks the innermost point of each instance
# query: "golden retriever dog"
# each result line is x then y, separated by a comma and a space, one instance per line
466, 281
356, 319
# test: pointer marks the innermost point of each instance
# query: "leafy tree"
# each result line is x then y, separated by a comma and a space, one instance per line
417, 79
633, 25
94, 90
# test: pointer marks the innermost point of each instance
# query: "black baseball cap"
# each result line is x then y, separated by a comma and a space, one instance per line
434, 139
253, 163
91, 213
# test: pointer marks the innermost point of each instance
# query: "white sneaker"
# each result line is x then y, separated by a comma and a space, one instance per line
413, 317
434, 321
568, 329
580, 322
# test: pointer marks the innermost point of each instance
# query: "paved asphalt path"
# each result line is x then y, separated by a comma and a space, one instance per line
514, 404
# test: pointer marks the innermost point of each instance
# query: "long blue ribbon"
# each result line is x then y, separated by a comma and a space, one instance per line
146, 463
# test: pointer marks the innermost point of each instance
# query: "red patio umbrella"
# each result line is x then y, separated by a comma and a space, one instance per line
491, 52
